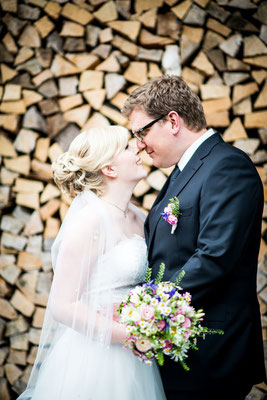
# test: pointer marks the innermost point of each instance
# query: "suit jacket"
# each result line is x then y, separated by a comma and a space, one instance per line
216, 242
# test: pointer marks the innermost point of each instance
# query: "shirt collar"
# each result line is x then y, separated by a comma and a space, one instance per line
194, 146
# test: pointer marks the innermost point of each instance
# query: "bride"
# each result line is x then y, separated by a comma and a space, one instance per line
98, 256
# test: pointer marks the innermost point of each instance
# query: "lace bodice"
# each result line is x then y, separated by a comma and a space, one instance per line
127, 264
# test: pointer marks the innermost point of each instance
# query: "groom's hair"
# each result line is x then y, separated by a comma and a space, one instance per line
164, 94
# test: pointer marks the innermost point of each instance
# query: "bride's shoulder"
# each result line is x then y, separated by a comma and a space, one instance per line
84, 222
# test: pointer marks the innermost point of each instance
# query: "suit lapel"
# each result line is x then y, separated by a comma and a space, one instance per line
178, 185
180, 182
155, 205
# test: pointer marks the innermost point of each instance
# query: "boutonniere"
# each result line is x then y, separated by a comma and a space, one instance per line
171, 213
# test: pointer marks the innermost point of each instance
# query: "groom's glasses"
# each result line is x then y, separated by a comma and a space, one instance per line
138, 134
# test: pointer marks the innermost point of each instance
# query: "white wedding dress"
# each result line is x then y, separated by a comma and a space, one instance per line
121, 376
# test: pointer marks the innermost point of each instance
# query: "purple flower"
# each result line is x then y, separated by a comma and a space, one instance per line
172, 292
150, 284
165, 216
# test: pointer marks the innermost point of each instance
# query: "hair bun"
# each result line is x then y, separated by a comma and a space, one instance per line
80, 167
71, 163
67, 172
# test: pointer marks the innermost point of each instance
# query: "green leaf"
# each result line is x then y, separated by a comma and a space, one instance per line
210, 331
184, 365
160, 273
160, 357
148, 274
179, 278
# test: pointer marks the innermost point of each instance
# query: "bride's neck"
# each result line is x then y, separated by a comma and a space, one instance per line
120, 196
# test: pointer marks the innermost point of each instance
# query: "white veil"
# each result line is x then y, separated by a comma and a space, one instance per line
80, 301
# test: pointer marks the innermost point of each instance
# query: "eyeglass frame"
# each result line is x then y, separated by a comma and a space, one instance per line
137, 133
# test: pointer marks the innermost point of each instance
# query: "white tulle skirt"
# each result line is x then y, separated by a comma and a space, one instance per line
76, 370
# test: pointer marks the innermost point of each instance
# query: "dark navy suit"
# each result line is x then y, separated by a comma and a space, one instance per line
216, 242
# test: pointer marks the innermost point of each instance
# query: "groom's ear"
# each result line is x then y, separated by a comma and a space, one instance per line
109, 171
175, 121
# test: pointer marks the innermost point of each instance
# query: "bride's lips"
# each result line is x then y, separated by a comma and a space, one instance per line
139, 162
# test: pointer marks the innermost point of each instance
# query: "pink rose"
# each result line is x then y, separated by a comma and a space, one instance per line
187, 323
172, 219
147, 312
161, 324
186, 335
143, 345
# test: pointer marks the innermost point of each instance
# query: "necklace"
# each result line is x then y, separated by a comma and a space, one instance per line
125, 212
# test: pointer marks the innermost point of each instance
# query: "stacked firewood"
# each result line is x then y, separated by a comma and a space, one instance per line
67, 66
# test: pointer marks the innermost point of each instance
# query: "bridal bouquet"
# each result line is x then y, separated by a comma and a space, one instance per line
160, 320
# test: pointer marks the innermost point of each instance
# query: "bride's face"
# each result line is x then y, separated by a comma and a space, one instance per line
128, 165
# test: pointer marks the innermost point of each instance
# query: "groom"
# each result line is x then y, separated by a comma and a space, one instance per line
216, 241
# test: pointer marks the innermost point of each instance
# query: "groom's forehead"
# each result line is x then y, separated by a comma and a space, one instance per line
138, 118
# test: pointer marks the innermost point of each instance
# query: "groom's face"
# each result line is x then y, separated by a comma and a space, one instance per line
157, 140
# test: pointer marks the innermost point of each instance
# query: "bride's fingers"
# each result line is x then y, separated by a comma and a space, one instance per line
116, 316
136, 353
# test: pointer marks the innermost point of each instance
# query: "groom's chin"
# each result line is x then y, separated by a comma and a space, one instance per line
160, 164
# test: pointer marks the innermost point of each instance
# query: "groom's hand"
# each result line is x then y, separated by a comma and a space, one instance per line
116, 316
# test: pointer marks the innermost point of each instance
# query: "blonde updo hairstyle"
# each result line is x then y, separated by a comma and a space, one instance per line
80, 167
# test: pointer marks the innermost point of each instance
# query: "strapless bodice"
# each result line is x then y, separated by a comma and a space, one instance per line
125, 267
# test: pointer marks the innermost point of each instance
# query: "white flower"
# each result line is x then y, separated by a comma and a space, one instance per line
143, 345
162, 306
154, 302
148, 362
143, 324
186, 308
129, 328
167, 311
178, 339
172, 206
168, 209
180, 318
166, 351
135, 298
147, 297
187, 297
129, 313
138, 290
135, 316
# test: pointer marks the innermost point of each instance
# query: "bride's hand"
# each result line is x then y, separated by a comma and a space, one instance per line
116, 316
137, 353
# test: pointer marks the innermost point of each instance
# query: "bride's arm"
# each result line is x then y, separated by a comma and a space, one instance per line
84, 317
77, 257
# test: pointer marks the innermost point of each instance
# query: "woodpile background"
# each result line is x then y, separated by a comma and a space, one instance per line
69, 65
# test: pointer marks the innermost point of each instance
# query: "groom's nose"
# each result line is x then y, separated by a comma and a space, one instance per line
140, 145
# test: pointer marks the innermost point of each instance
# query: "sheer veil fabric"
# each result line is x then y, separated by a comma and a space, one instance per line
75, 344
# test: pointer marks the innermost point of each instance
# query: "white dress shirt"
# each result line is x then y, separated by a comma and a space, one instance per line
194, 146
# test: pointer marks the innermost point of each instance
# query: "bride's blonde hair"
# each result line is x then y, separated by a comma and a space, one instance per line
80, 167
